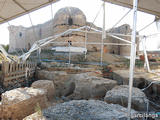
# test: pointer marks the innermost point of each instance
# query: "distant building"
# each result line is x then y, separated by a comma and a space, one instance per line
66, 18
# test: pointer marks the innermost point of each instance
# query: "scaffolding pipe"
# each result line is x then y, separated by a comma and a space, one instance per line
121, 18
145, 54
103, 33
96, 17
85, 45
132, 57
39, 55
51, 11
32, 26
146, 26
34, 32
117, 34
69, 44
120, 39
92, 43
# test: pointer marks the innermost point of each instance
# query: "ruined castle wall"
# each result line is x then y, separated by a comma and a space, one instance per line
23, 38
17, 37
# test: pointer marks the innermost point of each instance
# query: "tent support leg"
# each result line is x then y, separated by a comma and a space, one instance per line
145, 54
85, 45
132, 57
103, 33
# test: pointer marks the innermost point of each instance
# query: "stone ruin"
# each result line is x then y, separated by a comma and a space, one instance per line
22, 38
71, 93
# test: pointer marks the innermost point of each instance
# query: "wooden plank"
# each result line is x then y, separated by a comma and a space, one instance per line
10, 68
15, 77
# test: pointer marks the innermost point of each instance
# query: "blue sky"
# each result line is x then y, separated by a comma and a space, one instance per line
90, 9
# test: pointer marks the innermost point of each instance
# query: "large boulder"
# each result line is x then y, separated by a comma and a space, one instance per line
86, 110
46, 85
87, 86
21, 102
119, 95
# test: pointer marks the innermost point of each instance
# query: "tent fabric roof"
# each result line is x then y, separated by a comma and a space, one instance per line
11, 9
148, 6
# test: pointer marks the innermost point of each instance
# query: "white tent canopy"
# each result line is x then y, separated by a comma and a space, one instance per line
148, 6
11, 9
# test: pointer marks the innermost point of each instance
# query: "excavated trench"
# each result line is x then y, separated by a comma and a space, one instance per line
151, 90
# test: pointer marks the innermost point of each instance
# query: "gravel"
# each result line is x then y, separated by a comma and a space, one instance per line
86, 110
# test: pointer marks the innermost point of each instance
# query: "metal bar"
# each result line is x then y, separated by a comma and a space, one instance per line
120, 39
69, 53
32, 26
91, 43
103, 33
122, 18
85, 45
146, 26
52, 11
100, 32
145, 54
124, 35
96, 17
132, 57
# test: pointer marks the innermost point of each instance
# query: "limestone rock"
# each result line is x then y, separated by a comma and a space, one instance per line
119, 95
51, 75
86, 110
21, 102
47, 86
20, 94
87, 86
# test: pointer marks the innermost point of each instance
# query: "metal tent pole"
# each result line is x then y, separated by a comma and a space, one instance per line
103, 33
132, 57
69, 44
39, 55
34, 32
121, 18
85, 45
145, 54
52, 11
95, 17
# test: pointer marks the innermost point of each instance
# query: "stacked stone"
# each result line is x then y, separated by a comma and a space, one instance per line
21, 102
